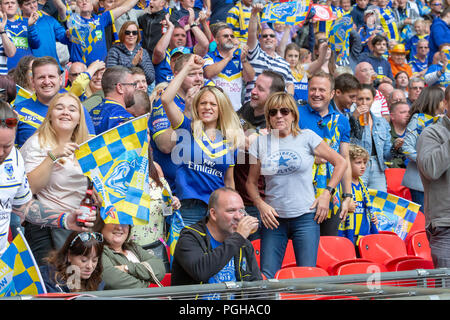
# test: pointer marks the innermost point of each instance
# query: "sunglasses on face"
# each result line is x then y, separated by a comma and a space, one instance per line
268, 35
86, 236
283, 111
9, 122
128, 32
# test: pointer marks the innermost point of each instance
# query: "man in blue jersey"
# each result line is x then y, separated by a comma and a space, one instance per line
118, 87
439, 73
44, 28
175, 37
316, 116
227, 66
7, 47
89, 43
47, 82
159, 125
17, 27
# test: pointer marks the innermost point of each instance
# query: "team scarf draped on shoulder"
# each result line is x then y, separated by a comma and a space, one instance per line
322, 173
353, 224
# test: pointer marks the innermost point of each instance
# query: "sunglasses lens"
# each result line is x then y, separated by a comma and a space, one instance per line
11, 122
284, 111
273, 112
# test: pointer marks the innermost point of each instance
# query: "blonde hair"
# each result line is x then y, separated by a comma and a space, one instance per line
228, 121
47, 135
356, 151
283, 99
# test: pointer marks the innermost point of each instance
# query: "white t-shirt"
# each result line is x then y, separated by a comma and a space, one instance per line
67, 185
14, 190
286, 165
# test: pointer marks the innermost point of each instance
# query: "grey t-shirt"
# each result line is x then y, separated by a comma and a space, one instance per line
286, 165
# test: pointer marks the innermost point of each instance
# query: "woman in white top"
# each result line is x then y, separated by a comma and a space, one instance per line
53, 172
290, 210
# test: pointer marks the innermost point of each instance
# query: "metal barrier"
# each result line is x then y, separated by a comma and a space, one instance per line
415, 284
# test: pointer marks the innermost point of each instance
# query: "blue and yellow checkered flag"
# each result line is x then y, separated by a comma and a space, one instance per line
19, 273
291, 13
393, 213
117, 162
339, 38
175, 222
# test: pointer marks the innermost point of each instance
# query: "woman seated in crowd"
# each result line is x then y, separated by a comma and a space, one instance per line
375, 138
129, 53
285, 158
424, 111
77, 266
126, 265
22, 76
53, 172
207, 145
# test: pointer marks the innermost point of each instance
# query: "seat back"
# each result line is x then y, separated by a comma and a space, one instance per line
257, 247
289, 256
360, 268
414, 264
420, 246
419, 223
334, 249
300, 272
394, 177
381, 247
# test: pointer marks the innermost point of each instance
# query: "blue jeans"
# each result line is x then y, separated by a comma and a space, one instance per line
417, 197
193, 210
305, 235
374, 177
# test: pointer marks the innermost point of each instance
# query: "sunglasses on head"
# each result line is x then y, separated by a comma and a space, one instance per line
86, 236
283, 111
268, 35
128, 32
9, 122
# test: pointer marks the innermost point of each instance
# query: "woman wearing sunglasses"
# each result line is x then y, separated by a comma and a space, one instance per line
129, 53
127, 265
206, 147
285, 158
77, 266
53, 172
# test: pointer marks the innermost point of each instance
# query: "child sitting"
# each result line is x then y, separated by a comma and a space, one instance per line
360, 221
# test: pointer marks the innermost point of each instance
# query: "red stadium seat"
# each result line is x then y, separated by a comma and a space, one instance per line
257, 247
414, 264
419, 246
360, 268
394, 177
166, 281
418, 225
289, 256
386, 249
300, 272
335, 251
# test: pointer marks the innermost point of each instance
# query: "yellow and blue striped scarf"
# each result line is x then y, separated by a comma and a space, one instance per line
322, 173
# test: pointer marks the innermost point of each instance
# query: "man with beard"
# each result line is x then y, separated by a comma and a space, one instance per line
118, 87
227, 66
47, 82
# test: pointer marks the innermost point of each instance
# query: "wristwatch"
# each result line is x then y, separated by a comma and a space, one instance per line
195, 24
347, 195
331, 190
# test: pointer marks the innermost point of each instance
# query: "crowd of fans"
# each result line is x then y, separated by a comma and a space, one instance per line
247, 118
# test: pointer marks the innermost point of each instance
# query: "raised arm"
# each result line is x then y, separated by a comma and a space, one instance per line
8, 45
161, 46
173, 112
124, 7
252, 40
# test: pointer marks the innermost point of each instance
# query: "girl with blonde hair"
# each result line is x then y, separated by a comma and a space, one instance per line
53, 172
207, 144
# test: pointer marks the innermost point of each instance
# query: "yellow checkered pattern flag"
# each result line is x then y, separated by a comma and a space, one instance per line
290, 13
117, 163
19, 273
393, 213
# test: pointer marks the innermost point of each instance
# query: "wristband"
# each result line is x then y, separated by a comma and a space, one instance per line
62, 223
347, 195
52, 156
2, 32
195, 24
331, 190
